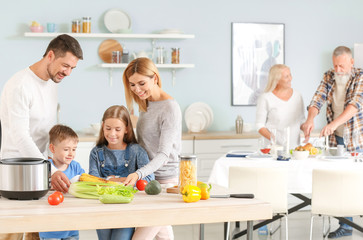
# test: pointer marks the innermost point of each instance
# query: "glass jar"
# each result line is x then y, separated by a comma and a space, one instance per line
116, 56
76, 26
175, 55
187, 171
86, 25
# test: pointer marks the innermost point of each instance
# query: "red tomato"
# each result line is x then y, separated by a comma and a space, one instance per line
265, 150
60, 195
55, 199
141, 184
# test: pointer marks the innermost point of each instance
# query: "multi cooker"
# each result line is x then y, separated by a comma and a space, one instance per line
24, 178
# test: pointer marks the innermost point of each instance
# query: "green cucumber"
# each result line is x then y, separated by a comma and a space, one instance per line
109, 198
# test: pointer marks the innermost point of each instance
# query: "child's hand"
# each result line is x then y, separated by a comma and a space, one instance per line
60, 182
131, 179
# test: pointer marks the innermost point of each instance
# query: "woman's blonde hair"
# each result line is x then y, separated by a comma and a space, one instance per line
121, 113
143, 66
274, 76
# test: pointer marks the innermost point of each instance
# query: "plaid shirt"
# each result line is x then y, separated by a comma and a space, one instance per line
354, 96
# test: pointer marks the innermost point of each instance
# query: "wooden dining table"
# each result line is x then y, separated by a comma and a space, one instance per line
145, 210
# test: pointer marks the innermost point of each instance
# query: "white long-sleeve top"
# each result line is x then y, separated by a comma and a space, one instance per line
27, 112
273, 112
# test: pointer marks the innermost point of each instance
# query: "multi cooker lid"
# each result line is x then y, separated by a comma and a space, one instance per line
22, 161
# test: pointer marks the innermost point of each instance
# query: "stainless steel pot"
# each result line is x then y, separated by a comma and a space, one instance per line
24, 178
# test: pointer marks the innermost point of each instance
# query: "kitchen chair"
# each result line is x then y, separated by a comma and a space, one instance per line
268, 184
337, 193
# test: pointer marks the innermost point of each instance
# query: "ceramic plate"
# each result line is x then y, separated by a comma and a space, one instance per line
117, 21
195, 121
259, 157
170, 31
336, 158
197, 109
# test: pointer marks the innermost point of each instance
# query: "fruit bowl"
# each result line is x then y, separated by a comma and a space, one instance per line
300, 155
36, 28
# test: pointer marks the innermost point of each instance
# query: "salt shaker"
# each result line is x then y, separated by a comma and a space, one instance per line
239, 124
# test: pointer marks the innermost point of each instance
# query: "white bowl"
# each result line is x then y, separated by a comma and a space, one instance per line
300, 155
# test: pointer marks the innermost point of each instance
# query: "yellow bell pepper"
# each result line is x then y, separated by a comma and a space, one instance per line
205, 190
191, 193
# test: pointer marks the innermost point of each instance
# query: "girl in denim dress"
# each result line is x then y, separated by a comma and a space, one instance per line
115, 156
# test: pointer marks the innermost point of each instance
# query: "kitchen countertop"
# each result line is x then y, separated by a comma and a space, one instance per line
203, 135
144, 210
191, 136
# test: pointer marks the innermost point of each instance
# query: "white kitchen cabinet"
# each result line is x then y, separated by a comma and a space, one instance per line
82, 154
187, 147
208, 151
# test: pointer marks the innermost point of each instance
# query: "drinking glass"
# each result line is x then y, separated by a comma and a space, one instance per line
346, 138
355, 140
273, 133
264, 145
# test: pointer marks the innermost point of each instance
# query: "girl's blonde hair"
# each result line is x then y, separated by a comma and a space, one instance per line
121, 113
274, 76
143, 66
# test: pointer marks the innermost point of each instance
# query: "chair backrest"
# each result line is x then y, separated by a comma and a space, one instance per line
337, 192
267, 184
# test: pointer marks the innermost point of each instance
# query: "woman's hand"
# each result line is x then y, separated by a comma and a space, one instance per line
131, 179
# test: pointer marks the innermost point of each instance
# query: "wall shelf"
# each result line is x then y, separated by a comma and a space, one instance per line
113, 35
110, 66
173, 68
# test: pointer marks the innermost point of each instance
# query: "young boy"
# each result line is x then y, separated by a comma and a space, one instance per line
63, 144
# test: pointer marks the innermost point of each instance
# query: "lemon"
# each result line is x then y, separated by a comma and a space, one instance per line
314, 151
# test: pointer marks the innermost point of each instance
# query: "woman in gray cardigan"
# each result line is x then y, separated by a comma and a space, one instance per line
159, 130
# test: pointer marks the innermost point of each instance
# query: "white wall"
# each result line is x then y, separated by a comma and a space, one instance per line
312, 30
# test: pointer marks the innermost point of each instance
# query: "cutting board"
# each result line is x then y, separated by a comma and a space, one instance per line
106, 47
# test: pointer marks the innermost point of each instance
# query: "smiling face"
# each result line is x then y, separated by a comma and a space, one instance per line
285, 80
60, 67
142, 86
114, 130
343, 64
63, 152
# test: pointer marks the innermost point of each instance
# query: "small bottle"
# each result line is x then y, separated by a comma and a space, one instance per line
187, 171
239, 125
86, 25
76, 26
125, 56
175, 55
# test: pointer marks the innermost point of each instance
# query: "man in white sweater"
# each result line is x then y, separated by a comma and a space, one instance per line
28, 102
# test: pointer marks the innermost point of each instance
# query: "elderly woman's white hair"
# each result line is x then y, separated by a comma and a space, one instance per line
274, 76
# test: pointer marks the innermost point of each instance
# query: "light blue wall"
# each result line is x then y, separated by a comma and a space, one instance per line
313, 28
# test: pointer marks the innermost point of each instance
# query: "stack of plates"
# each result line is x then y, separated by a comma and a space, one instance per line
198, 117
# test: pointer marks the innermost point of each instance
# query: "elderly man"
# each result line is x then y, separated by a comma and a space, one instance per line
342, 89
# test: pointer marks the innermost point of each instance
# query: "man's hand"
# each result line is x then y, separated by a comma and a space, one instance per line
131, 179
60, 182
307, 127
328, 129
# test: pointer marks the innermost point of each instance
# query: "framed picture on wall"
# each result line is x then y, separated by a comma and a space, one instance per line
255, 48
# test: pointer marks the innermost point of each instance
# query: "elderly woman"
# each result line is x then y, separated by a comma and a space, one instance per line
280, 106
158, 131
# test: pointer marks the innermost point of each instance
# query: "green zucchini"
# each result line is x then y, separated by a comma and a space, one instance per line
109, 198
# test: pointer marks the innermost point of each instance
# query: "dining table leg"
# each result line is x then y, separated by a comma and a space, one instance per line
201, 231
249, 230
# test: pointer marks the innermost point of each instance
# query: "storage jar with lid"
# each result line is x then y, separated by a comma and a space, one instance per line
187, 171
76, 26
86, 25
175, 55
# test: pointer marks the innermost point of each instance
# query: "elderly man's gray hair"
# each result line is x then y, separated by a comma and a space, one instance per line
342, 50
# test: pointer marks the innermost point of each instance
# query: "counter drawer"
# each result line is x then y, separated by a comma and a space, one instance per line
225, 145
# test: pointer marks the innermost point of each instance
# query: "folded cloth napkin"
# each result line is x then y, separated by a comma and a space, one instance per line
235, 155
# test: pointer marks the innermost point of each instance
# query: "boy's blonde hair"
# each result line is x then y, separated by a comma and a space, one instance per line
119, 112
60, 132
